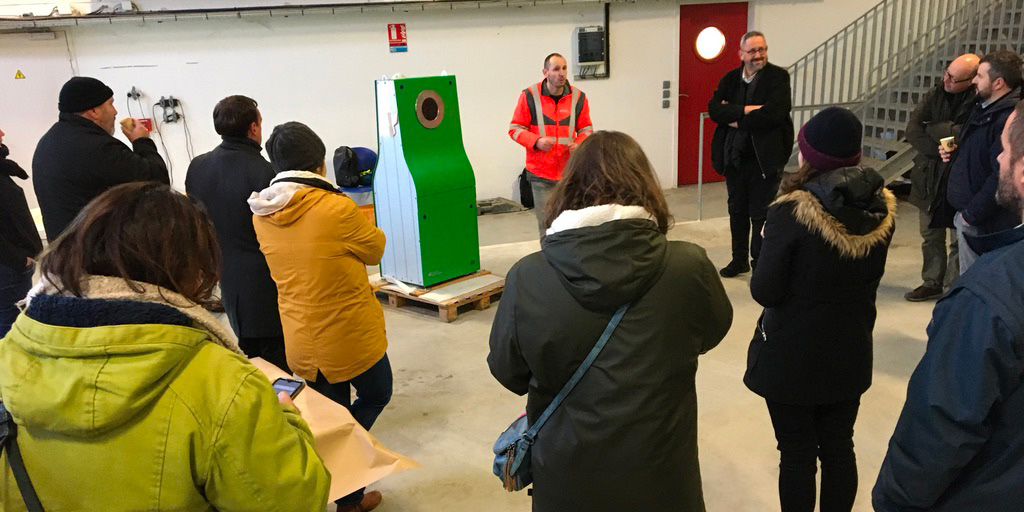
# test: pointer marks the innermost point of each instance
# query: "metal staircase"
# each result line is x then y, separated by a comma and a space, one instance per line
882, 64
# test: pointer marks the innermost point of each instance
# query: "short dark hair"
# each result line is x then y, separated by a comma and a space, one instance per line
609, 168
293, 146
1017, 134
547, 60
1004, 64
233, 116
138, 232
748, 35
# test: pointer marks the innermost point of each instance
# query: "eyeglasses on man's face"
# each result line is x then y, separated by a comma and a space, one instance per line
947, 76
754, 51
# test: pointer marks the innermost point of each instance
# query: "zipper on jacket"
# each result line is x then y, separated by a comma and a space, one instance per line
757, 156
760, 327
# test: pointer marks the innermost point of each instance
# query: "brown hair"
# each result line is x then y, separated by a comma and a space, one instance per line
1017, 134
1004, 64
609, 168
232, 116
141, 231
547, 60
794, 180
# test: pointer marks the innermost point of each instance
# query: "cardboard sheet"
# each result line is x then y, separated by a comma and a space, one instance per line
353, 456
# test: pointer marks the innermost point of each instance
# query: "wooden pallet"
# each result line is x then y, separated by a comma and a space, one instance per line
477, 289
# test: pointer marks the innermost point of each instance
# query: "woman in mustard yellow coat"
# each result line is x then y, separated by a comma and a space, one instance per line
318, 244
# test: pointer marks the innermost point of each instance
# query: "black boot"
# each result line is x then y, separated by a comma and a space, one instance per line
735, 268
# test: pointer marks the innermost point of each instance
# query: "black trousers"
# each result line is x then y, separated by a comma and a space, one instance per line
271, 349
806, 434
750, 193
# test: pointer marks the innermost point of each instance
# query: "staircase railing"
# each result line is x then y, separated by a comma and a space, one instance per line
851, 65
980, 28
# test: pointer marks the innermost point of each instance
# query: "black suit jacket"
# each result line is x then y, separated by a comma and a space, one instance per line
770, 127
222, 180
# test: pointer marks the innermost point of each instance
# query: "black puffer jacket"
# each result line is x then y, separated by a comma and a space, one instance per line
626, 438
19, 239
76, 161
823, 257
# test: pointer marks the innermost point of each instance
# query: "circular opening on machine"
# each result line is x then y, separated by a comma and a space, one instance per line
429, 109
710, 43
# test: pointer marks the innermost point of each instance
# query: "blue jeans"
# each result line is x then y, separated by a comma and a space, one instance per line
967, 255
14, 286
373, 392
541, 192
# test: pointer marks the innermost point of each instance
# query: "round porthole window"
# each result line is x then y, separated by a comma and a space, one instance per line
429, 109
710, 43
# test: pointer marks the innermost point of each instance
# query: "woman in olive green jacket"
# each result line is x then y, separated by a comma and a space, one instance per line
129, 396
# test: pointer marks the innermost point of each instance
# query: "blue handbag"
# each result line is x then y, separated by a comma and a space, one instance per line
512, 463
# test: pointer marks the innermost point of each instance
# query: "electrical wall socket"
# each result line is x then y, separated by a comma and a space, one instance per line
168, 102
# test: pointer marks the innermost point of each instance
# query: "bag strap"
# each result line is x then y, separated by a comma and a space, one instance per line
531, 434
8, 440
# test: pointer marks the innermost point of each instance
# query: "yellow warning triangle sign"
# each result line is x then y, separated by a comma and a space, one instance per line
19, 75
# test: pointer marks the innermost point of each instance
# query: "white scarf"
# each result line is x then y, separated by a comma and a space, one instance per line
104, 287
597, 215
277, 196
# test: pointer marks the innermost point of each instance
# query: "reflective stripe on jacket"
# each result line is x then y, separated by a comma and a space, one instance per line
568, 122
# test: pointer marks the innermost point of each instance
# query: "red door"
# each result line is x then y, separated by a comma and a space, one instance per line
699, 76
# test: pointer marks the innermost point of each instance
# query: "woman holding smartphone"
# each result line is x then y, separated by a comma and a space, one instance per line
127, 394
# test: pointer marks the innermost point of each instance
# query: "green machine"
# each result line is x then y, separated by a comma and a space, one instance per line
423, 187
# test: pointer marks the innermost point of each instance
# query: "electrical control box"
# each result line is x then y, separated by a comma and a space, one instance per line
588, 52
588, 45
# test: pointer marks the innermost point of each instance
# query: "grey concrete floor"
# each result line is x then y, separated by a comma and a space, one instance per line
447, 409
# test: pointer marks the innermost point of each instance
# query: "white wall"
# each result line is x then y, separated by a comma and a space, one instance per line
28, 107
320, 70
795, 27
43, 8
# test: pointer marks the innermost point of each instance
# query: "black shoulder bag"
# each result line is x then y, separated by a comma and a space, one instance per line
8, 442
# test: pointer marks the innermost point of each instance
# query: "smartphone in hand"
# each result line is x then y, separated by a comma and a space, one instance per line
290, 386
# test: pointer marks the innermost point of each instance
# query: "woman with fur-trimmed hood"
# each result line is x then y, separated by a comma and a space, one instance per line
825, 245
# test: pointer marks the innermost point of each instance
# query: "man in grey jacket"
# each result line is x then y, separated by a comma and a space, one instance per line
940, 114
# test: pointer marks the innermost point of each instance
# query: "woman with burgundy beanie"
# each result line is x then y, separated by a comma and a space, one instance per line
825, 244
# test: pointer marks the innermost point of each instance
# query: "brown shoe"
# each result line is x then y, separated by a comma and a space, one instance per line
371, 500
923, 293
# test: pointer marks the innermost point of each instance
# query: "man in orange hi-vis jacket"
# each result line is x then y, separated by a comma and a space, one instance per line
550, 120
